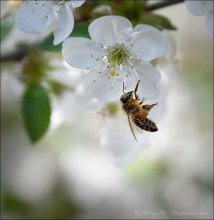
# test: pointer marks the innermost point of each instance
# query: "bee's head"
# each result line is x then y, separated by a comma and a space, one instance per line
126, 96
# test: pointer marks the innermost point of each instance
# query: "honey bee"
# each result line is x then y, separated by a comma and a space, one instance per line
136, 112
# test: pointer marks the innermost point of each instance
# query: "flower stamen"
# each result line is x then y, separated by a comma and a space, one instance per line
113, 72
112, 85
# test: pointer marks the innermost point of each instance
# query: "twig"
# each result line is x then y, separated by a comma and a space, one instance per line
162, 4
15, 56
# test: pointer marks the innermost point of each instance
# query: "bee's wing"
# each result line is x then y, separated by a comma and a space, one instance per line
136, 128
131, 126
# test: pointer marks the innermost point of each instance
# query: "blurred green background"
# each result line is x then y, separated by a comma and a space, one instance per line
67, 174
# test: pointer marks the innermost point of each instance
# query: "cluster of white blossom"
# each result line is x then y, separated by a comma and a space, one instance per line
38, 16
117, 54
202, 8
66, 175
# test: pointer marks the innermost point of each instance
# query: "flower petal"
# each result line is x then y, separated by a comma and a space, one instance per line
199, 8
65, 24
77, 3
34, 16
148, 42
109, 29
109, 89
149, 80
81, 52
89, 103
116, 137
101, 87
171, 45
209, 23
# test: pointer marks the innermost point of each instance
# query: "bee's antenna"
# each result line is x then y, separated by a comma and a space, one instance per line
123, 87
136, 88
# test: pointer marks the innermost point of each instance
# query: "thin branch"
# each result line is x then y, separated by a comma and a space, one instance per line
19, 54
15, 56
162, 4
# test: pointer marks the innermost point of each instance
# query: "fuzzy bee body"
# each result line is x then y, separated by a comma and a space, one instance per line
145, 124
137, 113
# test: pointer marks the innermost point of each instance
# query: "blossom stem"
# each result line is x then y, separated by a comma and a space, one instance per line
19, 54
16, 56
162, 4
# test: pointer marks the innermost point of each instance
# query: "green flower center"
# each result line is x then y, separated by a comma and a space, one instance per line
118, 54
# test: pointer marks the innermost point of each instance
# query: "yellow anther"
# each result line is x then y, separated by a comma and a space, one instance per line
113, 72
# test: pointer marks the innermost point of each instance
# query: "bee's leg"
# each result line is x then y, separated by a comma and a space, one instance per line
137, 97
123, 87
136, 88
149, 107
142, 101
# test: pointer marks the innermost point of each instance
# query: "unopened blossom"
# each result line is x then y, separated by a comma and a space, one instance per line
200, 8
37, 16
116, 54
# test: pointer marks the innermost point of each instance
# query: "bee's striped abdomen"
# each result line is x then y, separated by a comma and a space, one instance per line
145, 124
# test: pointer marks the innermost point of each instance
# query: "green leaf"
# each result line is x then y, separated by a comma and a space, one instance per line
80, 30
157, 21
36, 111
6, 26
47, 45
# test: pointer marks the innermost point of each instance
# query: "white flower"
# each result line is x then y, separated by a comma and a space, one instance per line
88, 103
117, 53
115, 136
37, 16
168, 64
200, 8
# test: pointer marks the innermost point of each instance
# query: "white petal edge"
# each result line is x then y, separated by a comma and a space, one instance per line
65, 24
77, 52
209, 23
109, 30
148, 42
77, 3
149, 80
34, 16
198, 8
171, 45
